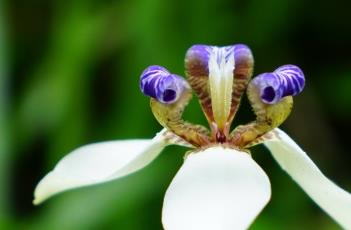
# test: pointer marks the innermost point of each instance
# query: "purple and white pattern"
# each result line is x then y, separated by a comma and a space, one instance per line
223, 54
197, 58
287, 80
159, 83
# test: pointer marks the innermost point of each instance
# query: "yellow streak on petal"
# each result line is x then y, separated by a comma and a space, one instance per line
221, 84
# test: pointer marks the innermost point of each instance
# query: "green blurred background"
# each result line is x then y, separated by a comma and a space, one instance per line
69, 73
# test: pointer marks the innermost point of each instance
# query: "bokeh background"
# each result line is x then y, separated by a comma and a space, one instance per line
69, 73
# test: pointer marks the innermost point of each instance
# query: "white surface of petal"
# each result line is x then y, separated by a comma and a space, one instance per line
97, 163
216, 189
330, 197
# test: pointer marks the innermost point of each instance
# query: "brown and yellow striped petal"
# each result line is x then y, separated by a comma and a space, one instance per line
242, 74
170, 117
268, 117
196, 68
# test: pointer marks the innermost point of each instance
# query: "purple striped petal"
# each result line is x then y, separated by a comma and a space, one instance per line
287, 80
159, 83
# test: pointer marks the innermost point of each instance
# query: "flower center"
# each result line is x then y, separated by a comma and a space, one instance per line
219, 76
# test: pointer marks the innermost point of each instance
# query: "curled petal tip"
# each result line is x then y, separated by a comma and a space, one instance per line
196, 60
287, 80
293, 78
242, 51
200, 52
159, 83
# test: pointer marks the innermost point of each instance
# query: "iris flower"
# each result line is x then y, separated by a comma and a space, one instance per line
219, 185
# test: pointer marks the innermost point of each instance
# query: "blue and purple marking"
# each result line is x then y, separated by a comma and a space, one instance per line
159, 83
287, 80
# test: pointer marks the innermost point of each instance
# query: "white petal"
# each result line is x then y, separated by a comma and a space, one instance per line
216, 189
97, 163
334, 200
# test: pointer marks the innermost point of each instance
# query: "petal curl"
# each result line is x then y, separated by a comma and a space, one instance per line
98, 163
330, 197
216, 189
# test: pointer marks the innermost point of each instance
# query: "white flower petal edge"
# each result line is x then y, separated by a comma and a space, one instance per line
331, 198
97, 163
216, 189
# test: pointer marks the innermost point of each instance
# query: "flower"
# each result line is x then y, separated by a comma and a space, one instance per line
219, 185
